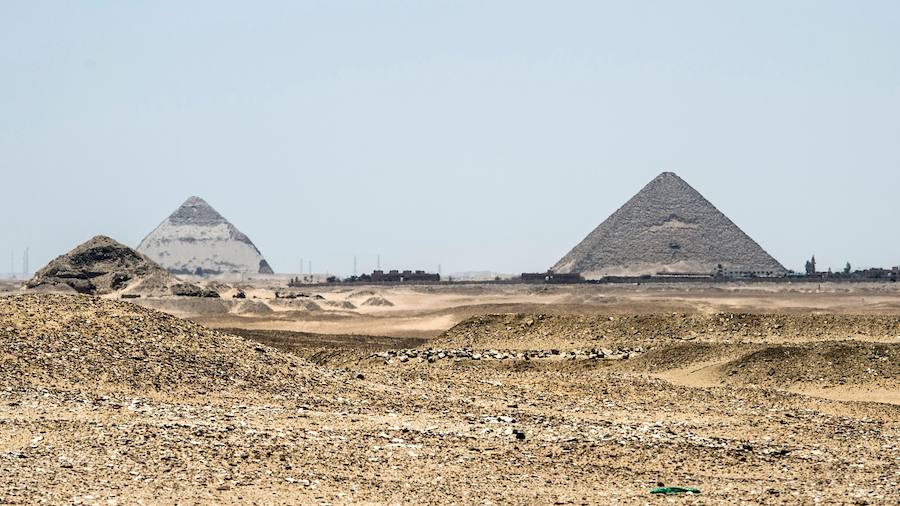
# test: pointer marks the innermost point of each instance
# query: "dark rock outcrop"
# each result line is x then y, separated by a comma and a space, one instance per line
99, 266
189, 290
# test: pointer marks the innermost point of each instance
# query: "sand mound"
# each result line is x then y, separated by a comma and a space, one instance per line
304, 304
252, 307
825, 363
100, 266
340, 304
673, 356
784, 352
185, 306
157, 284
534, 331
362, 293
51, 288
377, 301
73, 342
218, 286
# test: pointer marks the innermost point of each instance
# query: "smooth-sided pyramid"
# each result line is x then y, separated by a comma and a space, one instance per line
668, 228
196, 239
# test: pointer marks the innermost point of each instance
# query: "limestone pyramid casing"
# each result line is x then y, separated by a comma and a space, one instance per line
196, 239
668, 227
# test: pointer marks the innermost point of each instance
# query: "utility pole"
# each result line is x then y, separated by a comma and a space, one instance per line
25, 264
379, 262
354, 265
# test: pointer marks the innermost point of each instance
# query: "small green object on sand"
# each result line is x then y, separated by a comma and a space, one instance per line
675, 490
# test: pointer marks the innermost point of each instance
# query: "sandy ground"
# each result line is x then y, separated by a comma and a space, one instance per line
757, 394
426, 311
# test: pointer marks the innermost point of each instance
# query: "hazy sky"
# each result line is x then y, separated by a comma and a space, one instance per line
478, 135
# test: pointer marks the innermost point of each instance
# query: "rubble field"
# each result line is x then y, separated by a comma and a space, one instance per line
106, 402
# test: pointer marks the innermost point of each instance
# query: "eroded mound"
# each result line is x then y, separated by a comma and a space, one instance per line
523, 331
361, 293
824, 363
377, 301
340, 304
74, 342
100, 266
252, 307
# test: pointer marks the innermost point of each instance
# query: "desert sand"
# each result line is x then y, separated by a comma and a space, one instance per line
481, 394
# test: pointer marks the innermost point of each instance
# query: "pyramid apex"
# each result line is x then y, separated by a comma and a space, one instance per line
194, 200
100, 241
100, 238
196, 211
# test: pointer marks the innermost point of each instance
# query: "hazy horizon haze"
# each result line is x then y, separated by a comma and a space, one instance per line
475, 136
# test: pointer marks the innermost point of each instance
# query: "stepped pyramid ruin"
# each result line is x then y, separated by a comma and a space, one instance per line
668, 228
196, 239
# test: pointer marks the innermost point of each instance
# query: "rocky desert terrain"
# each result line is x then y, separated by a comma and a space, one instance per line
559, 395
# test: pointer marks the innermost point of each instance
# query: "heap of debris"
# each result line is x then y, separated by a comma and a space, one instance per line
101, 266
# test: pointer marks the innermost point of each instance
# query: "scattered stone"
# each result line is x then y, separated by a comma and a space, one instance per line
190, 290
432, 355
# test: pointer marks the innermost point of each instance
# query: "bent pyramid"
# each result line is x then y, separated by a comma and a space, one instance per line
196, 239
668, 227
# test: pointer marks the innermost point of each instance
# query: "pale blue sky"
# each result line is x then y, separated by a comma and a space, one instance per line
478, 135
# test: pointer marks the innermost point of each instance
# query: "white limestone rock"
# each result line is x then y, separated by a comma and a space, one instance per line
196, 239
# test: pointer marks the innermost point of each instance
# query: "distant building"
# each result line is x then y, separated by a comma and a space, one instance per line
732, 273
551, 277
396, 276
892, 274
